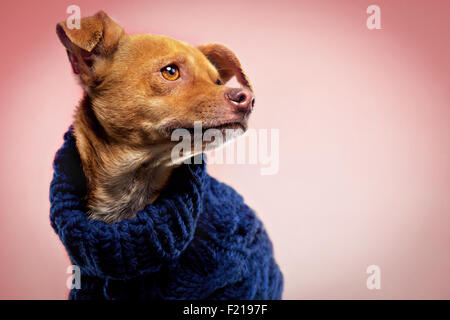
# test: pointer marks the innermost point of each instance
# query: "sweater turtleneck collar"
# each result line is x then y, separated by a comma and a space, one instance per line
133, 247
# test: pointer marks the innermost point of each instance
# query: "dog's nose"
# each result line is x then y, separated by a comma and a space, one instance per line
243, 99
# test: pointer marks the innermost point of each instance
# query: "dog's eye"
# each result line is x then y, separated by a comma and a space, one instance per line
170, 72
218, 82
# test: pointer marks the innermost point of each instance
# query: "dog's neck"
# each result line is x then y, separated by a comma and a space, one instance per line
120, 180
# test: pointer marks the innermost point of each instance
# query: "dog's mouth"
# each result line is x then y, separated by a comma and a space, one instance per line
202, 127
232, 125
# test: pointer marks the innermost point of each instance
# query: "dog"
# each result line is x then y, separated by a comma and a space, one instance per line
138, 89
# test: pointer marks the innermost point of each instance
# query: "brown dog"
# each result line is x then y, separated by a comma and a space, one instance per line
138, 90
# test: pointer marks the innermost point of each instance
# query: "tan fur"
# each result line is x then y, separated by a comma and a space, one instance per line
123, 124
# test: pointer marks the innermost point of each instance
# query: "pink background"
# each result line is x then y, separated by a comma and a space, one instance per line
364, 137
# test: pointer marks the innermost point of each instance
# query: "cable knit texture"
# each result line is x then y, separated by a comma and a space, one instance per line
198, 240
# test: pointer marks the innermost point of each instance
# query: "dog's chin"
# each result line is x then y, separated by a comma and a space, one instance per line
211, 136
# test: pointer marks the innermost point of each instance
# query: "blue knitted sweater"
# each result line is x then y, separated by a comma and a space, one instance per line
198, 240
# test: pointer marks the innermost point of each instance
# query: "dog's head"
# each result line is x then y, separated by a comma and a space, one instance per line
142, 87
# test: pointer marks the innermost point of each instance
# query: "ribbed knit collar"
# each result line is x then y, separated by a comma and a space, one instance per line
132, 247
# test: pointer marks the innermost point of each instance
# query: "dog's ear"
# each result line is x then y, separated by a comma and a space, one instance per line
98, 35
226, 63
